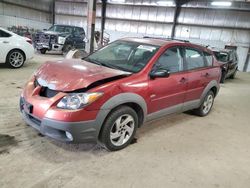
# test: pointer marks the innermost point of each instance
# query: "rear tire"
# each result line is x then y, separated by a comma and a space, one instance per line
223, 77
43, 51
15, 59
233, 75
119, 128
206, 105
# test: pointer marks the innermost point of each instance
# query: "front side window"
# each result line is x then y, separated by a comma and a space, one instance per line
3, 34
124, 55
170, 60
194, 59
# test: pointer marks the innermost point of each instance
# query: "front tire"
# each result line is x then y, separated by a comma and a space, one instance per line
66, 49
15, 59
223, 77
43, 51
206, 105
119, 128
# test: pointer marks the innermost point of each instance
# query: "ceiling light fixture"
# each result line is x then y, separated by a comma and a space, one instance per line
221, 3
117, 1
165, 3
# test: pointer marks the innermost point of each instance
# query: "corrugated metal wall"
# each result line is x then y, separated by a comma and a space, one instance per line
33, 14
198, 21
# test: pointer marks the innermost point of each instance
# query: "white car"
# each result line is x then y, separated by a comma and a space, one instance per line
14, 49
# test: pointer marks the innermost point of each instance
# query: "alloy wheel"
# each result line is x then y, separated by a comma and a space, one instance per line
208, 104
122, 130
16, 59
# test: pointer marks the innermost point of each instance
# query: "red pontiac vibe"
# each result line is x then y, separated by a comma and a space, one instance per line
108, 95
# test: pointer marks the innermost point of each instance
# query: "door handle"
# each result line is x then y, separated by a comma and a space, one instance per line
183, 80
5, 42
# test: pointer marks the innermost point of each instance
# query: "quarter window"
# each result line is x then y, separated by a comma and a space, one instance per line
170, 60
194, 59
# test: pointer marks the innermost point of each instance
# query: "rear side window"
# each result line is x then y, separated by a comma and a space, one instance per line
4, 34
208, 58
170, 60
194, 59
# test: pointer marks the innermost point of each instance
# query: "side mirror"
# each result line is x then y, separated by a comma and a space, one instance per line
159, 73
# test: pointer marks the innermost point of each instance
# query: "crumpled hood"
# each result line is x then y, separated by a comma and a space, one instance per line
70, 75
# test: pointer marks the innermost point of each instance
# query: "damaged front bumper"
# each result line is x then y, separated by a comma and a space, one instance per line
75, 132
49, 47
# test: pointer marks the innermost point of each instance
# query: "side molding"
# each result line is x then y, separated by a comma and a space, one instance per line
125, 98
211, 84
116, 101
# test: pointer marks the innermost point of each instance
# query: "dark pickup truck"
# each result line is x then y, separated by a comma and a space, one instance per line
60, 38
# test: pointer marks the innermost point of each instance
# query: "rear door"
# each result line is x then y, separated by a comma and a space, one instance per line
168, 93
198, 74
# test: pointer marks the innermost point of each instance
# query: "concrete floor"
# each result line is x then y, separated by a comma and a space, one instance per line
177, 151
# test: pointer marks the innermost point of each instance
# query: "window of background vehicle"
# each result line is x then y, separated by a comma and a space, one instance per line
194, 59
209, 58
79, 31
124, 55
221, 56
235, 56
4, 34
170, 60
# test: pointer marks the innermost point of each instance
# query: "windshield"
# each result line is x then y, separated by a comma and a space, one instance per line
124, 55
221, 56
61, 29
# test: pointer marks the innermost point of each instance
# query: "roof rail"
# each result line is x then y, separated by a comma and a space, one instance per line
166, 38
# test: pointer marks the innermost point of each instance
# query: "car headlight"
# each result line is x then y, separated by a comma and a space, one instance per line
76, 101
61, 40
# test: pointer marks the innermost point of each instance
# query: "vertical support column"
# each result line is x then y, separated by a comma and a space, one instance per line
103, 19
53, 11
176, 15
91, 25
247, 62
178, 4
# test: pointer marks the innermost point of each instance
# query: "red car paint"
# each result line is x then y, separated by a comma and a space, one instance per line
71, 75
160, 93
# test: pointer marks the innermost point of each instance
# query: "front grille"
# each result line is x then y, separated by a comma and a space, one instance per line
46, 38
34, 120
46, 92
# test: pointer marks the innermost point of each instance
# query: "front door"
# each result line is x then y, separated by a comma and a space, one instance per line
4, 45
167, 94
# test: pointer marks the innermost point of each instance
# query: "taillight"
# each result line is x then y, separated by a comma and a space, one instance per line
29, 41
